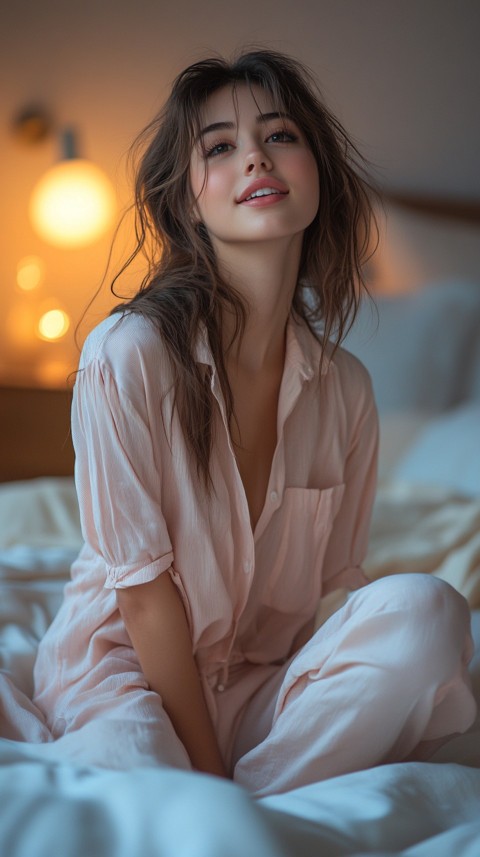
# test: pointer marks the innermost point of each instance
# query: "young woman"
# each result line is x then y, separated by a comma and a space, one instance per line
225, 467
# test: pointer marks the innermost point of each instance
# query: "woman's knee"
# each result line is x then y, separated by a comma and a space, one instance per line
431, 620
420, 595
417, 616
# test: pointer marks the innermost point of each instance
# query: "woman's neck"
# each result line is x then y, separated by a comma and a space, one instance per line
266, 277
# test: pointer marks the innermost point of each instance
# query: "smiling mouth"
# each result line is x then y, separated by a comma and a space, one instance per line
264, 191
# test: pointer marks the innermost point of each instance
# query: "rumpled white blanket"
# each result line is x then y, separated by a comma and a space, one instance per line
426, 529
53, 809
412, 809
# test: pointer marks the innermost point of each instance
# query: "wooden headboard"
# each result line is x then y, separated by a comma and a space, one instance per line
461, 210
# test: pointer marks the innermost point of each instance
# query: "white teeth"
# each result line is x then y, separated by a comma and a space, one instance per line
264, 191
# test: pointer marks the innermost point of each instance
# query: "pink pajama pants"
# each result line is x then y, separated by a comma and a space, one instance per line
383, 678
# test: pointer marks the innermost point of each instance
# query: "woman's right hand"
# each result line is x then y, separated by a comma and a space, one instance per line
158, 628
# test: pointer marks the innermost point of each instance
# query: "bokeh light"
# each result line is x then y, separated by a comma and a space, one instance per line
52, 373
53, 324
73, 204
30, 273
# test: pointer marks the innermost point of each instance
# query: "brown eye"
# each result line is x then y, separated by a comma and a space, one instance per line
282, 136
217, 149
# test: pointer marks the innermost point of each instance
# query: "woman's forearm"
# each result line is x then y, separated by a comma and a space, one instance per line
157, 625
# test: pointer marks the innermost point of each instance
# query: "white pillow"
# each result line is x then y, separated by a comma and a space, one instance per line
422, 349
40, 513
446, 453
398, 432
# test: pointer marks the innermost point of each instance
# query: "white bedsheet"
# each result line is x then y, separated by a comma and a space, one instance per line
52, 809
415, 809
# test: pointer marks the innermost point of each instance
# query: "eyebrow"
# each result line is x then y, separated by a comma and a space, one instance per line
228, 126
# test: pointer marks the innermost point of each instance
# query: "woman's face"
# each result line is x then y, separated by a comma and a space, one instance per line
252, 173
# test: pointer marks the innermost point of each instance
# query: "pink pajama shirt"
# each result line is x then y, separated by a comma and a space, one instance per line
386, 672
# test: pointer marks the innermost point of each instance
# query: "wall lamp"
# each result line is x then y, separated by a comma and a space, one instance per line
73, 204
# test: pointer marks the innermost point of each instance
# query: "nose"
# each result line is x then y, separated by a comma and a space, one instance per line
257, 161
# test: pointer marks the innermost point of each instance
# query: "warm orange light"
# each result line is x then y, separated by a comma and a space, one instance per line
73, 204
53, 324
30, 273
52, 373
20, 325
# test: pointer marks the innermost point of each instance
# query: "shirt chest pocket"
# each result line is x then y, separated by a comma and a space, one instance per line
296, 541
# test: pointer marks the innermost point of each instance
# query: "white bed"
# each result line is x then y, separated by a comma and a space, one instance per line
427, 518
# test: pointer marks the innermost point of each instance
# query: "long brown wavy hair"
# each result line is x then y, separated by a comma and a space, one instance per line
183, 288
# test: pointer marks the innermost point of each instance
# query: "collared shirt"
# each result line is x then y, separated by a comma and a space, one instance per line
145, 511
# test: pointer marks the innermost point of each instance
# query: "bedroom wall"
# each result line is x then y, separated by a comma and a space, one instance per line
403, 77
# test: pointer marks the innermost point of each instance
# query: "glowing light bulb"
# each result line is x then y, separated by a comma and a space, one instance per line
53, 324
73, 204
30, 273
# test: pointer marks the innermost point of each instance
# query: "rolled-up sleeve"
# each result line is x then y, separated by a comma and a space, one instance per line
118, 479
348, 542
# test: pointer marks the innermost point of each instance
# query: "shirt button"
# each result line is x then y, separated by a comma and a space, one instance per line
220, 688
247, 566
273, 496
